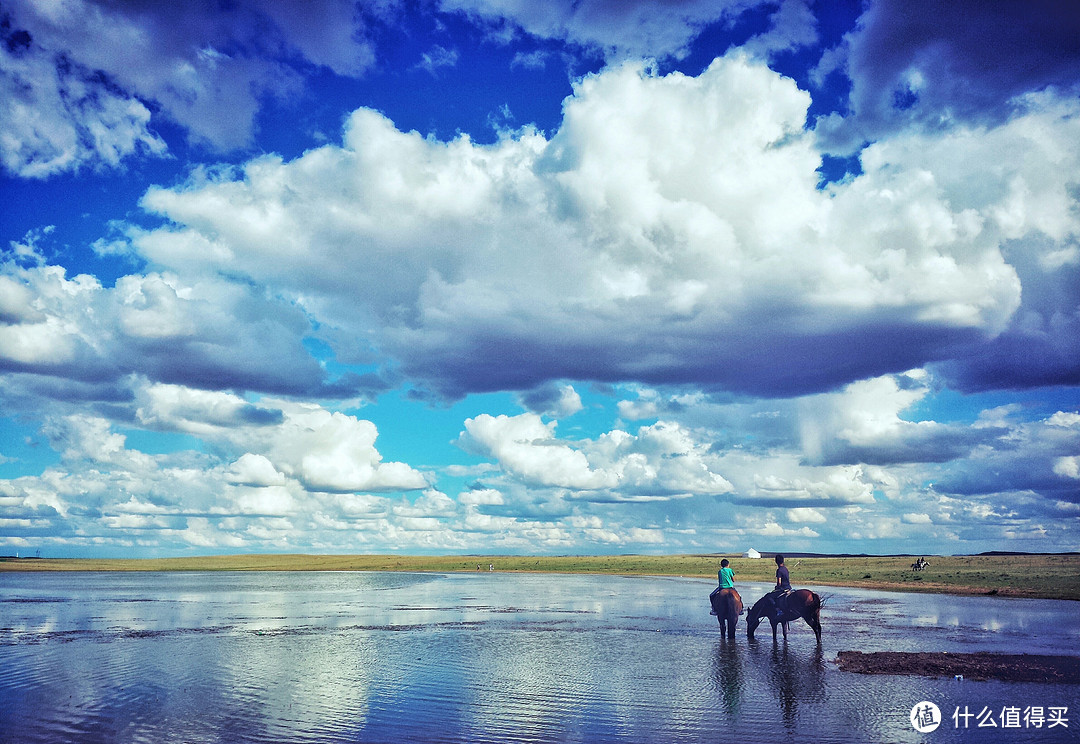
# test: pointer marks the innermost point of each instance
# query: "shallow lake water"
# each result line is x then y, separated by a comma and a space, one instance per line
491, 657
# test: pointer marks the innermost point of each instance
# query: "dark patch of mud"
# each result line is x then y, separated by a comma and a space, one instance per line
976, 666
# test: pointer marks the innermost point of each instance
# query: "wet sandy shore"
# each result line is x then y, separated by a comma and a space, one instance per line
977, 666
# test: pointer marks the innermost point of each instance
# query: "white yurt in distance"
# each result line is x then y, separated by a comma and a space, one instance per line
751, 554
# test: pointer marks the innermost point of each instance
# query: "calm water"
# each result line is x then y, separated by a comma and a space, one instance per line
490, 657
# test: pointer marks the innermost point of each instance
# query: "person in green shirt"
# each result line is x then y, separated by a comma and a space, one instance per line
726, 575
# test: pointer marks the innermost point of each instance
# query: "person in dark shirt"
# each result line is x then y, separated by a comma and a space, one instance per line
783, 578
783, 585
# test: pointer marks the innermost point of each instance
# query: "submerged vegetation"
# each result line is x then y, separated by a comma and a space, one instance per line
1054, 576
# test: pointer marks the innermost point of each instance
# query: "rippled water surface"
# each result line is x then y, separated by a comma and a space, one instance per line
490, 657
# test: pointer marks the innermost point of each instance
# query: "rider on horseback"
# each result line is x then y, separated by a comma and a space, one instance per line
783, 587
726, 577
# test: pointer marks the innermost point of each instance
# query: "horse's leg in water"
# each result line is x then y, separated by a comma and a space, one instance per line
734, 607
814, 621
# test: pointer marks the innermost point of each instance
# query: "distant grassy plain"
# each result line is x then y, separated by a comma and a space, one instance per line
1036, 576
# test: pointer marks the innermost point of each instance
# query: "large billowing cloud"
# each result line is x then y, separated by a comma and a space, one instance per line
701, 249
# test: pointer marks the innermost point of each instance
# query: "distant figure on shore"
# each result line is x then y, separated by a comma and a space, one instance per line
491, 567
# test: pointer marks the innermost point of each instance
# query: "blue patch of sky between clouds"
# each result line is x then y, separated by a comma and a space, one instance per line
78, 207
837, 168
23, 450
423, 437
951, 407
483, 87
426, 439
159, 442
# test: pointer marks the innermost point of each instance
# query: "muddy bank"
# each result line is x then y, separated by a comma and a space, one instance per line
1006, 667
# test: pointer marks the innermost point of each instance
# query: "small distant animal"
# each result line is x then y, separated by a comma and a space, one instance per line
920, 565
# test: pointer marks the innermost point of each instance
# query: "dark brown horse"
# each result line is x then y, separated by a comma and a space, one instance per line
727, 606
802, 603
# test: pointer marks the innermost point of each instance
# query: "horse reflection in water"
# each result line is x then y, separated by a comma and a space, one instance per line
796, 677
801, 603
729, 677
792, 675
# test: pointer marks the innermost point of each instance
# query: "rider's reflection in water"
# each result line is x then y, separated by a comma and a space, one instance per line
728, 676
796, 675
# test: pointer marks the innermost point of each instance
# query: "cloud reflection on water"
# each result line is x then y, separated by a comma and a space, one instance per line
492, 657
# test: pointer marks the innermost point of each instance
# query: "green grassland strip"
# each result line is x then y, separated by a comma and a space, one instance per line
1036, 576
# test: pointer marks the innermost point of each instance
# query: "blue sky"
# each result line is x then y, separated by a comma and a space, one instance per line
490, 276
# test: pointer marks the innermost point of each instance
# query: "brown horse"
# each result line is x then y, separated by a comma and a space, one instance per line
802, 603
727, 606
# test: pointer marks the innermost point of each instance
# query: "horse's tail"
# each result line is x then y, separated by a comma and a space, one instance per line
815, 607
